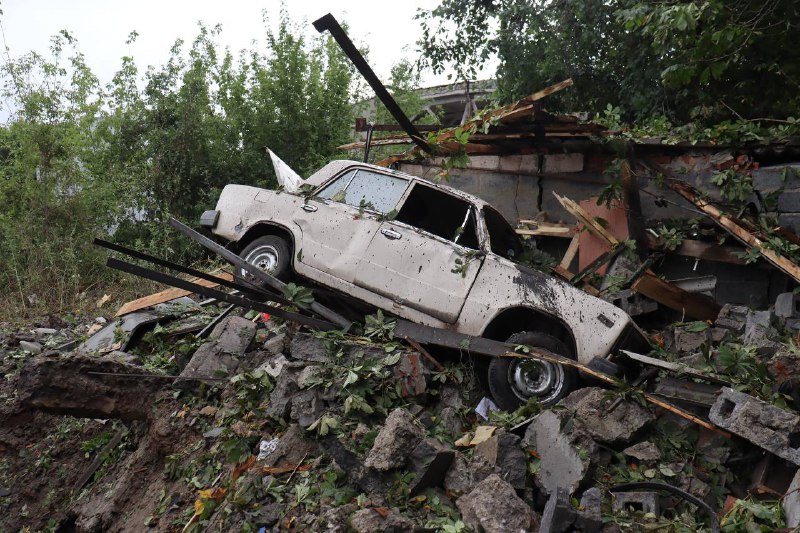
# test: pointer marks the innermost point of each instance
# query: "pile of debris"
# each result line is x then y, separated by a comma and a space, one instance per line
262, 426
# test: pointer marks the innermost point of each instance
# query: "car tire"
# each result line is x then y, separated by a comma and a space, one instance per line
269, 253
511, 385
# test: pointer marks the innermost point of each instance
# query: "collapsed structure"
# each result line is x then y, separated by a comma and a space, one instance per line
213, 418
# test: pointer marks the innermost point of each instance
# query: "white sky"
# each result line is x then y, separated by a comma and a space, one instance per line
102, 26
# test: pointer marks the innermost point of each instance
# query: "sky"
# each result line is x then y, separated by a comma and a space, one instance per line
102, 26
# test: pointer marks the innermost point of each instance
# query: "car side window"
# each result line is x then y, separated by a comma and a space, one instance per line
364, 188
441, 214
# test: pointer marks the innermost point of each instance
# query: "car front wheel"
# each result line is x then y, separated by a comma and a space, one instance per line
270, 254
513, 382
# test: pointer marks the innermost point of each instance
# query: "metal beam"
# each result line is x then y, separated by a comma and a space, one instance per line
254, 271
329, 23
160, 277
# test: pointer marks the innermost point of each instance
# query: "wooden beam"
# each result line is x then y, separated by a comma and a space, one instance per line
730, 224
543, 229
547, 91
571, 252
167, 295
695, 305
705, 251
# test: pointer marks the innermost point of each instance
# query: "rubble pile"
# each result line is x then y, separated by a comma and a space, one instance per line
263, 427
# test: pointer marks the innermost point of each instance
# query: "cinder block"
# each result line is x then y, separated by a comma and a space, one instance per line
520, 164
561, 163
484, 162
789, 201
787, 305
769, 427
773, 178
646, 502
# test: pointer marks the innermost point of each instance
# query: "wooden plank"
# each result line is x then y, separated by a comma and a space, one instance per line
571, 252
701, 250
694, 305
697, 306
549, 230
633, 207
735, 228
167, 295
547, 91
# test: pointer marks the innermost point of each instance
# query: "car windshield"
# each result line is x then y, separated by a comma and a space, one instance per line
366, 189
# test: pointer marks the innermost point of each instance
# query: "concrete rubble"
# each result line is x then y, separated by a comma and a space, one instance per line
326, 432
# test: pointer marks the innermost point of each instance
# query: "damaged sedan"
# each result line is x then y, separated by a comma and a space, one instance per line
427, 253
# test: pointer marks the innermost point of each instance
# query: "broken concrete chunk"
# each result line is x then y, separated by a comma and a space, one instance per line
759, 332
590, 518
234, 334
564, 458
644, 502
791, 502
123, 357
558, 515
410, 373
644, 451
464, 474
503, 451
773, 429
274, 365
307, 407
591, 407
787, 305
429, 462
494, 507
395, 441
291, 449
370, 520
275, 345
280, 399
32, 347
732, 317
217, 357
689, 341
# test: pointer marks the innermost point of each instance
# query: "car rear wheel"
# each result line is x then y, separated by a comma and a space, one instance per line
513, 382
270, 254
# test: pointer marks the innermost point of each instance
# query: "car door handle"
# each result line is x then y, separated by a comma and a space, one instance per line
308, 208
391, 234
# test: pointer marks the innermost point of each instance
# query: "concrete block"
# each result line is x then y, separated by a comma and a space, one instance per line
769, 179
645, 502
771, 428
791, 221
789, 201
558, 514
484, 162
520, 164
563, 163
787, 305
430, 462
791, 502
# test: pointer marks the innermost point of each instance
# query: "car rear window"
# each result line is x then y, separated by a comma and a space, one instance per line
364, 188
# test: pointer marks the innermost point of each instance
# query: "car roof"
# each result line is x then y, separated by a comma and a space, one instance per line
337, 166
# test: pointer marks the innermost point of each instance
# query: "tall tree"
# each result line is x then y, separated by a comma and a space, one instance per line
685, 59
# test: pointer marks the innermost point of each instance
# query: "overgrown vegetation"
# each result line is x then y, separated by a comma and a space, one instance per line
80, 159
707, 61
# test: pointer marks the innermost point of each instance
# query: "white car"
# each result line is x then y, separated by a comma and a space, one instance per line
427, 253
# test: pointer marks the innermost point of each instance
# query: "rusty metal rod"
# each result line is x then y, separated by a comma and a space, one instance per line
329, 23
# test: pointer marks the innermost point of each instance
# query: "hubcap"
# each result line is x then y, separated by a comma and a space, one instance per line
535, 378
264, 258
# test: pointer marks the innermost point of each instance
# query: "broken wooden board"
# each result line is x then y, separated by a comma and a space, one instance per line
694, 305
547, 229
167, 295
705, 251
735, 228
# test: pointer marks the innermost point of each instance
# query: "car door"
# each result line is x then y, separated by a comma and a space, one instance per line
338, 223
427, 257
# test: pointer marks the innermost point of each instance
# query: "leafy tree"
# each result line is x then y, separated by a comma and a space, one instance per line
79, 160
685, 59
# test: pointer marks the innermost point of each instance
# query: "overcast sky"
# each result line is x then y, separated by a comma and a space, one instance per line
102, 26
